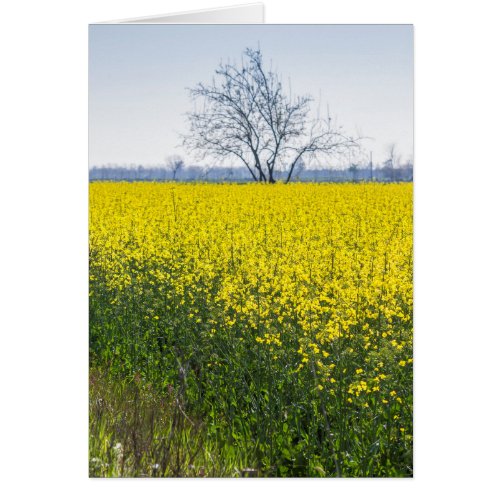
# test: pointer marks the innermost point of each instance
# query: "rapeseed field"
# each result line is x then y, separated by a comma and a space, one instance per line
251, 330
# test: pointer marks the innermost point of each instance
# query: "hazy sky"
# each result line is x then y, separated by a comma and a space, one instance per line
138, 75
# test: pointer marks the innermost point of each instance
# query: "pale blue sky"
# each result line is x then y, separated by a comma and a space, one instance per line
138, 76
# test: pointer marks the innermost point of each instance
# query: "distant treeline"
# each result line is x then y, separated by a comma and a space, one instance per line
240, 174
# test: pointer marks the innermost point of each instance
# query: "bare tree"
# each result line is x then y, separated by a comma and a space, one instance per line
174, 164
246, 114
392, 161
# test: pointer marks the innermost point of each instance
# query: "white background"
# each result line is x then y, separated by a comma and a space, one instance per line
43, 273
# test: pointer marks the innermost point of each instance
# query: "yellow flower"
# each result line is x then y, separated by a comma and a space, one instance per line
300, 268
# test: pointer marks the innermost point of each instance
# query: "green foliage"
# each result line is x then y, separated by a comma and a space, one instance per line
224, 399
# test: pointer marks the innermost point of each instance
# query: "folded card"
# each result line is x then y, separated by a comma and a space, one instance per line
251, 247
